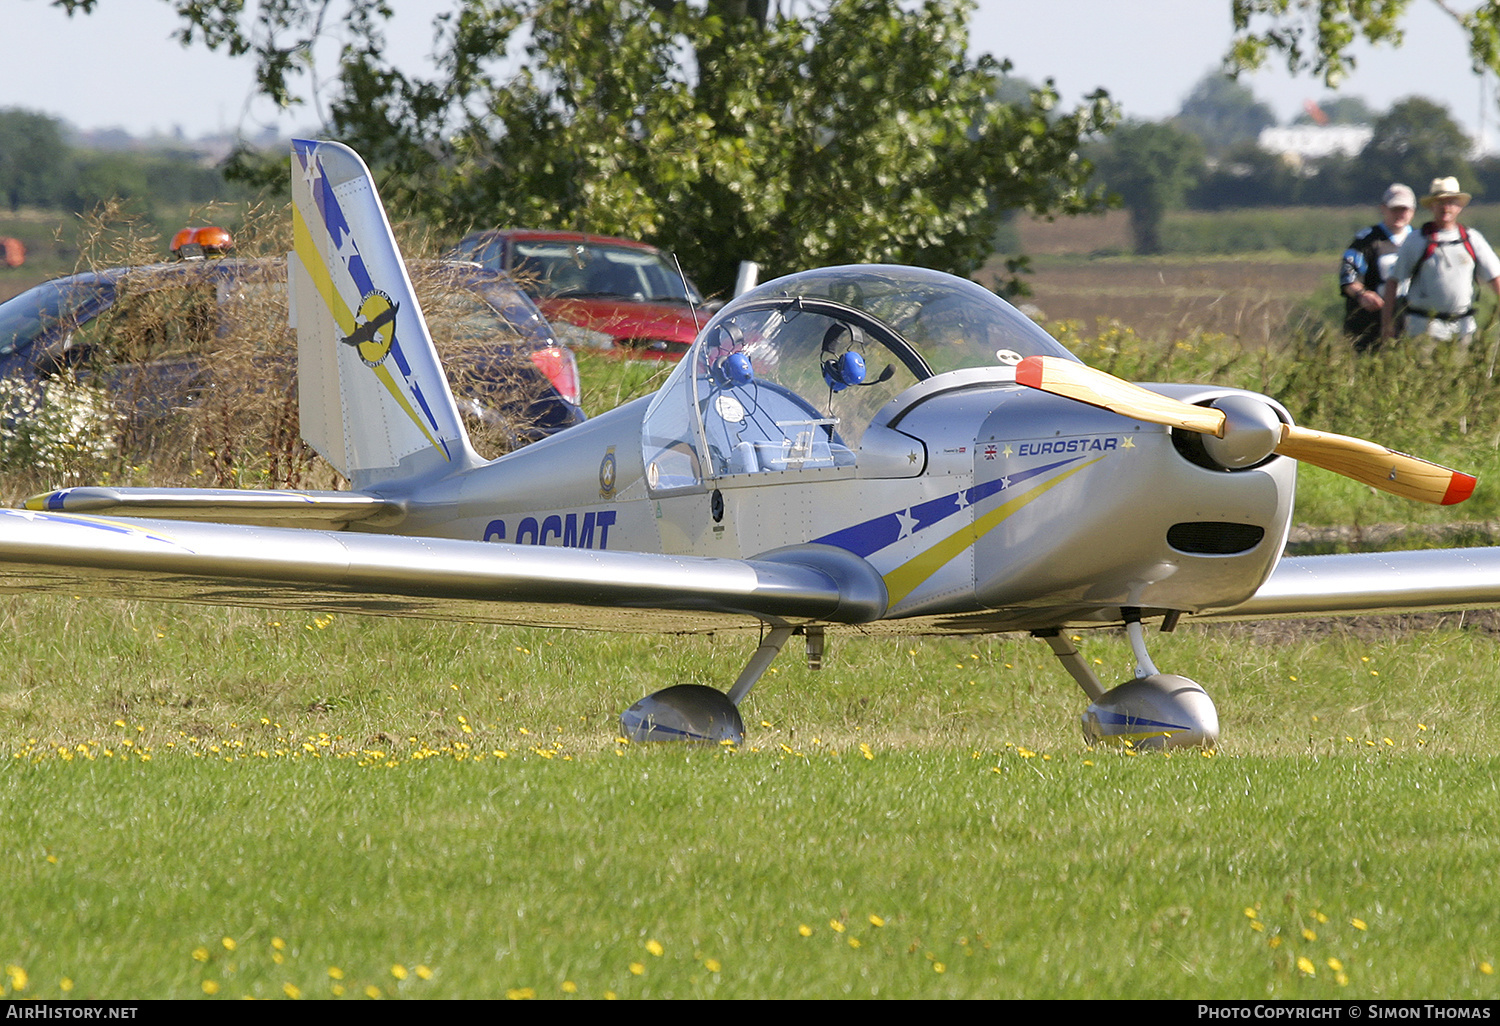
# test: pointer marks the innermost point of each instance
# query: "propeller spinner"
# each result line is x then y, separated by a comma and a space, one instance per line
1239, 432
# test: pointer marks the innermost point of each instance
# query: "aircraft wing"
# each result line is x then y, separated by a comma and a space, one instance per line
1375, 582
286, 567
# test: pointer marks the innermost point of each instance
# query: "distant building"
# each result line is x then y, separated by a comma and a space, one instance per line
1309, 142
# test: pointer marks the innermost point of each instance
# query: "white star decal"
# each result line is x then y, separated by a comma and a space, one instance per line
346, 248
908, 523
963, 501
310, 175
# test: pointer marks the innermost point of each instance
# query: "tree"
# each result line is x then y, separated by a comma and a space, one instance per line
1415, 141
1248, 176
1151, 165
34, 159
1337, 110
1317, 35
860, 131
1223, 113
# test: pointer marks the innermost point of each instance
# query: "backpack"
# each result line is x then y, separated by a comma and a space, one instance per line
1429, 232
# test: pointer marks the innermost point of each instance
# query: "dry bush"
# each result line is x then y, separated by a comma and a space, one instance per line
189, 377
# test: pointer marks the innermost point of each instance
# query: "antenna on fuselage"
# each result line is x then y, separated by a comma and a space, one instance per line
688, 294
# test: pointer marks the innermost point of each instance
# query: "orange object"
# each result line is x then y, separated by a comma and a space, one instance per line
210, 240
13, 252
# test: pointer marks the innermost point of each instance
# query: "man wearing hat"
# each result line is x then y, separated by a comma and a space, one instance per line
1366, 264
1442, 260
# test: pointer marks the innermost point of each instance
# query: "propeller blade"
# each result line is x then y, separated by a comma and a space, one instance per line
1097, 388
1366, 462
1410, 477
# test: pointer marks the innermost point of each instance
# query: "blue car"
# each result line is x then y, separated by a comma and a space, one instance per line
154, 336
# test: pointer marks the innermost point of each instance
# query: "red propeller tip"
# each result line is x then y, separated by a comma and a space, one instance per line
1029, 372
1459, 489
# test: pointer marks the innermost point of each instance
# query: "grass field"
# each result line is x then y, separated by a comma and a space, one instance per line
212, 803
224, 803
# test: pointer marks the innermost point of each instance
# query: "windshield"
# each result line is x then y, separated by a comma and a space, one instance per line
790, 375
465, 304
561, 269
50, 311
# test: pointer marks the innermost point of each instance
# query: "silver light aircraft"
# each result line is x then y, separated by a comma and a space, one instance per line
856, 449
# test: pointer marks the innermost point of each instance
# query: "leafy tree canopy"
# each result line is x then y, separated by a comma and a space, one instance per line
860, 130
1223, 113
1151, 165
1416, 141
33, 158
1317, 35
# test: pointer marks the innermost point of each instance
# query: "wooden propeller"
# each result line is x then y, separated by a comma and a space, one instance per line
1410, 477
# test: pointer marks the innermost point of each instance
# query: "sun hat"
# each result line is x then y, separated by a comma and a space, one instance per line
1445, 188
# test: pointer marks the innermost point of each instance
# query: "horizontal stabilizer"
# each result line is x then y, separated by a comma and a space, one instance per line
329, 510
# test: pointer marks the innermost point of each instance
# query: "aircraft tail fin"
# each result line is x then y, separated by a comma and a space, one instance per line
373, 398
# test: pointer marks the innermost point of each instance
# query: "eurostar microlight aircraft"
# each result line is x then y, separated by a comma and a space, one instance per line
854, 449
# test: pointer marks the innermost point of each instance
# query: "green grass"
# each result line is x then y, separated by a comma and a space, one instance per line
204, 802
449, 803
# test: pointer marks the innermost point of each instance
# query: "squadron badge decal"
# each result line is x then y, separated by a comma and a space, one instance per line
376, 333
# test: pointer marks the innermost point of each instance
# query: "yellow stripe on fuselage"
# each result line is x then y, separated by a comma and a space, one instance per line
912, 574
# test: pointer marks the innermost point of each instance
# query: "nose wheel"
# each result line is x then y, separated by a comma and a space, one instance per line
1155, 710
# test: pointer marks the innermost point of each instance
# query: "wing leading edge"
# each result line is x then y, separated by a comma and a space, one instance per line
279, 567
1375, 582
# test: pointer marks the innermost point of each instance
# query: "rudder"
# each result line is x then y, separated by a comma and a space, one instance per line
373, 398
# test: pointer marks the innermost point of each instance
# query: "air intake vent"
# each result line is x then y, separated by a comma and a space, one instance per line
1212, 538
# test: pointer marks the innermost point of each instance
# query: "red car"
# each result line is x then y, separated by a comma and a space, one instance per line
598, 292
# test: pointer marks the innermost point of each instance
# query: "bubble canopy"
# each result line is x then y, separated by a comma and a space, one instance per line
787, 377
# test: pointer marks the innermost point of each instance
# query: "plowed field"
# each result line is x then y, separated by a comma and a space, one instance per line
1247, 298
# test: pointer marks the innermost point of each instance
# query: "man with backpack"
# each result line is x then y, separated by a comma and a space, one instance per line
1442, 261
1366, 264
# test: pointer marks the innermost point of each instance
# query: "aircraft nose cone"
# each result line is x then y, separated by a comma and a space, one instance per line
1251, 432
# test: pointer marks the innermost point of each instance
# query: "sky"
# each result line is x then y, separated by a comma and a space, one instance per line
119, 67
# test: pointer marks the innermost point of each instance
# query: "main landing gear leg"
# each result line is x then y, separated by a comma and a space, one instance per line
1155, 710
694, 712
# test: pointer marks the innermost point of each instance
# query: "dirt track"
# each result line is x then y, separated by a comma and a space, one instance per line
1247, 298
